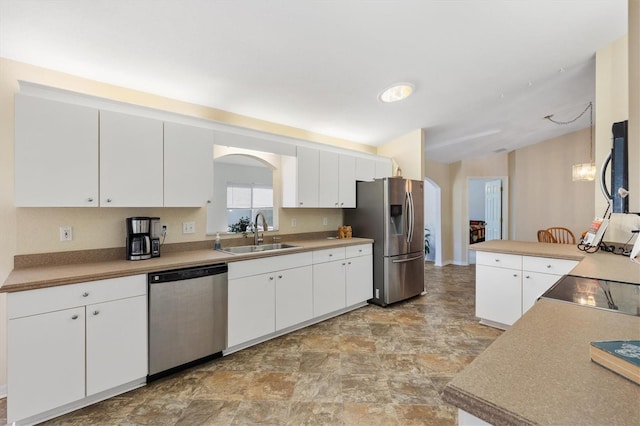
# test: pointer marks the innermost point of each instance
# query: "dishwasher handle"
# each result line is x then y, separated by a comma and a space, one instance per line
187, 273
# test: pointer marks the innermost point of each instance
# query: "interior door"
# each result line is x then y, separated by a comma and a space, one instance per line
493, 209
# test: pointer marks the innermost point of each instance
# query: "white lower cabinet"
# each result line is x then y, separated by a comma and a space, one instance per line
508, 285
329, 287
266, 295
342, 277
294, 297
46, 362
68, 343
272, 294
498, 294
116, 339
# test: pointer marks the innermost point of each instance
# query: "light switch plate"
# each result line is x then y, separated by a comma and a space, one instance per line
188, 227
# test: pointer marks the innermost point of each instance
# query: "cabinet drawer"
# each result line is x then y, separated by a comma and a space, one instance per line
247, 268
500, 260
328, 255
50, 299
548, 265
359, 250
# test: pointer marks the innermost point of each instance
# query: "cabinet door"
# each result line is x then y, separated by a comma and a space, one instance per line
328, 287
307, 171
365, 169
131, 161
45, 362
498, 294
329, 182
188, 165
533, 285
294, 297
251, 308
359, 279
116, 343
56, 154
347, 186
383, 168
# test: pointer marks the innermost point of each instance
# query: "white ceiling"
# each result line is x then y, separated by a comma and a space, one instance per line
485, 71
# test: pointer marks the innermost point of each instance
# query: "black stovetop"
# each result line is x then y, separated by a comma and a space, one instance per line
603, 294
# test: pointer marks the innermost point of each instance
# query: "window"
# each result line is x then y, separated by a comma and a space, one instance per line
244, 201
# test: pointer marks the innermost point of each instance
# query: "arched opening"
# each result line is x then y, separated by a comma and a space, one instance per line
245, 182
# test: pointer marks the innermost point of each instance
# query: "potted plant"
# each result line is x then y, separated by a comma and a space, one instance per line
427, 243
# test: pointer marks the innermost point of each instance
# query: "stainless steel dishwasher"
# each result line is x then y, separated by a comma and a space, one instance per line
187, 317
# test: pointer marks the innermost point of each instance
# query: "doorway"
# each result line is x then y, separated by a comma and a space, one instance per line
487, 208
432, 221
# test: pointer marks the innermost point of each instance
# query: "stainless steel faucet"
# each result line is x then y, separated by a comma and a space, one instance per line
256, 238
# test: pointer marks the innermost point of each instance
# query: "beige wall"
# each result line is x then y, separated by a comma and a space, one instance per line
543, 192
440, 174
481, 167
404, 151
612, 105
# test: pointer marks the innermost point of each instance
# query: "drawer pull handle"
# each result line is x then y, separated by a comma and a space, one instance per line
549, 266
75, 317
527, 277
85, 294
330, 254
279, 276
515, 275
90, 199
271, 278
497, 260
96, 312
348, 263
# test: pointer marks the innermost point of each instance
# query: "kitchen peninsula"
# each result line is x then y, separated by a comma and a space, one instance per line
539, 371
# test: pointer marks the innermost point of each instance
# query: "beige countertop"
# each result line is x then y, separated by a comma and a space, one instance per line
539, 371
49, 276
601, 264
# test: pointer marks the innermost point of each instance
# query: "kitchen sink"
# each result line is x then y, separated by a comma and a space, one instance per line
258, 248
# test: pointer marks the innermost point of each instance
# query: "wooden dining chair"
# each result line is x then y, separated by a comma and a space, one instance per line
545, 236
562, 235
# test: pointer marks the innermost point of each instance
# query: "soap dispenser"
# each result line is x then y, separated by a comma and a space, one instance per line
217, 245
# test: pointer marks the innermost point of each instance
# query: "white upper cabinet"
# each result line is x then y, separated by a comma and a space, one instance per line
131, 161
365, 169
300, 177
347, 184
188, 165
56, 154
329, 181
383, 168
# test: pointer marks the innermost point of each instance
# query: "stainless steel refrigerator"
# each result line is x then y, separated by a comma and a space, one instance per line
390, 210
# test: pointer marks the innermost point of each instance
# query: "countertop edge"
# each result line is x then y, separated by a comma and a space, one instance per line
480, 408
53, 276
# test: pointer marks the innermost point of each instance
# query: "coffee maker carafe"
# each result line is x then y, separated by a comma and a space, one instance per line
138, 238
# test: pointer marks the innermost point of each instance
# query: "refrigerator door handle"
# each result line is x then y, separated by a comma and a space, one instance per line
411, 218
407, 260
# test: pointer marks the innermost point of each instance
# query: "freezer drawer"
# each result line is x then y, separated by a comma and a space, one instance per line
403, 277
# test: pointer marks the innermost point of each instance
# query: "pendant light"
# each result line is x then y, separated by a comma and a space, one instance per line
583, 171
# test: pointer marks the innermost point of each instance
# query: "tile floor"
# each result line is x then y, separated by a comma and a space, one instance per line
372, 366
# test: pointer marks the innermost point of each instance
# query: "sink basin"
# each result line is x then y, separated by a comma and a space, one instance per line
258, 248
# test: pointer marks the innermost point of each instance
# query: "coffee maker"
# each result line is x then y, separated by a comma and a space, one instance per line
155, 236
138, 239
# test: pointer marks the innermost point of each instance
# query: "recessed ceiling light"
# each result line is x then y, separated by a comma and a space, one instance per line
397, 92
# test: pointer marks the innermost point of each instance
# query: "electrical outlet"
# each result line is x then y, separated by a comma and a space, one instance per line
293, 222
188, 227
66, 233
164, 229
325, 221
